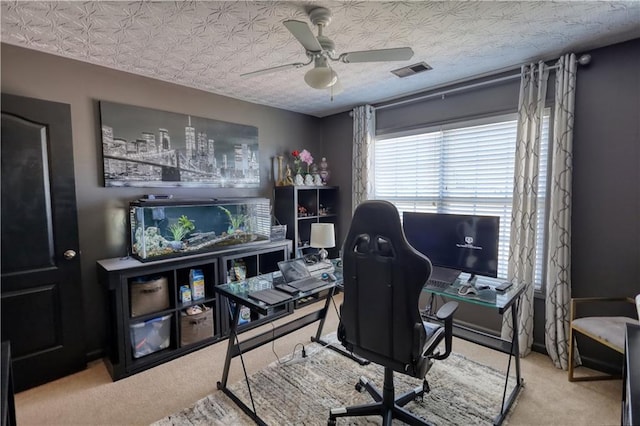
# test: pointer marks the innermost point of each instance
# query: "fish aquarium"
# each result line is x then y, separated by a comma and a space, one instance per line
162, 229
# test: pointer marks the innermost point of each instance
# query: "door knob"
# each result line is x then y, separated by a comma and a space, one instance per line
69, 254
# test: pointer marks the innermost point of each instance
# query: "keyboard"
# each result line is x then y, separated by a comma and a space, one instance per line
287, 289
306, 284
438, 284
269, 296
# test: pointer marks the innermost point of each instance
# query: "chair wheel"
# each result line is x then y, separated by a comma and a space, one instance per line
331, 422
359, 387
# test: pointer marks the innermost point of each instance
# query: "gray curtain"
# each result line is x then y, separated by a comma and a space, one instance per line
558, 275
522, 245
364, 130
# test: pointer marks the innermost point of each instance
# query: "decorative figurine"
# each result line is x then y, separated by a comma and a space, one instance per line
308, 180
288, 180
324, 170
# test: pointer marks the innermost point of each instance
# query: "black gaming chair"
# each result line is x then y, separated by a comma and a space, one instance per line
380, 319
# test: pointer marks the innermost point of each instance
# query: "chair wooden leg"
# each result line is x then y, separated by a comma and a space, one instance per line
571, 343
571, 369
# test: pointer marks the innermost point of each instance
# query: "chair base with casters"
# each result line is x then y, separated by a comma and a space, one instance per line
386, 404
606, 330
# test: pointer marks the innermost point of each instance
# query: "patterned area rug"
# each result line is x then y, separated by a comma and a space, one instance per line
303, 390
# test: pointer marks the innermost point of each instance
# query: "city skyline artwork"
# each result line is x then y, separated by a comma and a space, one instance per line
145, 147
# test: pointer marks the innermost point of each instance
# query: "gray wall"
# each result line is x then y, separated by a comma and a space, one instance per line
337, 137
101, 210
606, 183
606, 195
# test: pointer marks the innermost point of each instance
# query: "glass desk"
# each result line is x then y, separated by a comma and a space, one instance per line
238, 292
500, 302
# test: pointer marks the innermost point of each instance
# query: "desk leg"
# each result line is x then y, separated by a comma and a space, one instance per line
232, 337
515, 352
234, 345
318, 336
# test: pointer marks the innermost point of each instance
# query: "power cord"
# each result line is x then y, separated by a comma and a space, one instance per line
293, 353
304, 351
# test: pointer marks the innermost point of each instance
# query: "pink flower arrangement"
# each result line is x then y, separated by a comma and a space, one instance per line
306, 157
302, 156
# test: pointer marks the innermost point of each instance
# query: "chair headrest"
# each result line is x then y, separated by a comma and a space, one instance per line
375, 224
376, 229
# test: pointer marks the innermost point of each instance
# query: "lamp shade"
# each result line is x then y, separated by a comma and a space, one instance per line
322, 235
320, 77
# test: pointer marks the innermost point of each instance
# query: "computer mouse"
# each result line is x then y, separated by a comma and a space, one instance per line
467, 290
332, 277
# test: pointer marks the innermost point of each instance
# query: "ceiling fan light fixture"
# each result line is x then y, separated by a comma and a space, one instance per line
321, 77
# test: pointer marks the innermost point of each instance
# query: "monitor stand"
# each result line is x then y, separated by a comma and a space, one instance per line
472, 280
444, 274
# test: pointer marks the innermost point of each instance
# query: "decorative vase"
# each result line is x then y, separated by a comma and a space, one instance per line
324, 170
299, 179
308, 180
317, 180
280, 180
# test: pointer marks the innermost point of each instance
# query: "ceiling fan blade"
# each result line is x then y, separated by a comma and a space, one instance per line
302, 32
380, 55
273, 69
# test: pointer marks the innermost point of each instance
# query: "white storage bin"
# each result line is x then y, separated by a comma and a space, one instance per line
150, 336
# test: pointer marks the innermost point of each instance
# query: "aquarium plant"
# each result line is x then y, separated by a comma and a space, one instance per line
235, 220
181, 228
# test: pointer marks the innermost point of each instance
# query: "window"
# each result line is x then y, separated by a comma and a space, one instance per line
464, 168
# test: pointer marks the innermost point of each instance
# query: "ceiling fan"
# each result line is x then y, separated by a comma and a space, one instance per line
321, 50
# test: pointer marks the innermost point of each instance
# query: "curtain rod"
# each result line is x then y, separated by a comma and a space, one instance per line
449, 91
582, 60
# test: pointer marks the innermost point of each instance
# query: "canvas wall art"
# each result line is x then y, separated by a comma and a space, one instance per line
144, 147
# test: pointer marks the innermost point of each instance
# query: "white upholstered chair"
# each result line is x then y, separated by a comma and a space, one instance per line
607, 330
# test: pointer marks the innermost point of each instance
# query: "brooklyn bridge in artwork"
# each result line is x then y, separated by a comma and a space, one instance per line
144, 147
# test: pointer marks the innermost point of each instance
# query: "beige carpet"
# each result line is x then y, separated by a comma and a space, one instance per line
91, 398
303, 390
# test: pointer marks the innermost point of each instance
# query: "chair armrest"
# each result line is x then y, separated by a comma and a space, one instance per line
584, 300
445, 313
601, 299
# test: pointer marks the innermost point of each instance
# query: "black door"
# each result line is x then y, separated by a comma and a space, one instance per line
42, 311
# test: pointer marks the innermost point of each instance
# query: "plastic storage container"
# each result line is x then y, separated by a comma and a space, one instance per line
149, 295
150, 336
168, 228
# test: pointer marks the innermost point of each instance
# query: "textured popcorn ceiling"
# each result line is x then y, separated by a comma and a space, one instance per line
207, 44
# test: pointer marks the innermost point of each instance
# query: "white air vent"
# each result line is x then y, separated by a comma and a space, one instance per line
412, 69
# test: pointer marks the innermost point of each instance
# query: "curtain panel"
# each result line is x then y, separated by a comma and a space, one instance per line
364, 130
558, 275
522, 244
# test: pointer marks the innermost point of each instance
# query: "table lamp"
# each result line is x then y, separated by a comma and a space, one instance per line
322, 237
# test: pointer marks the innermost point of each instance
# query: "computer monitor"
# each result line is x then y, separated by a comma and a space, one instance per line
459, 242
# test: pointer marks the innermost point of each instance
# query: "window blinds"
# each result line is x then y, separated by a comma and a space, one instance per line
465, 169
